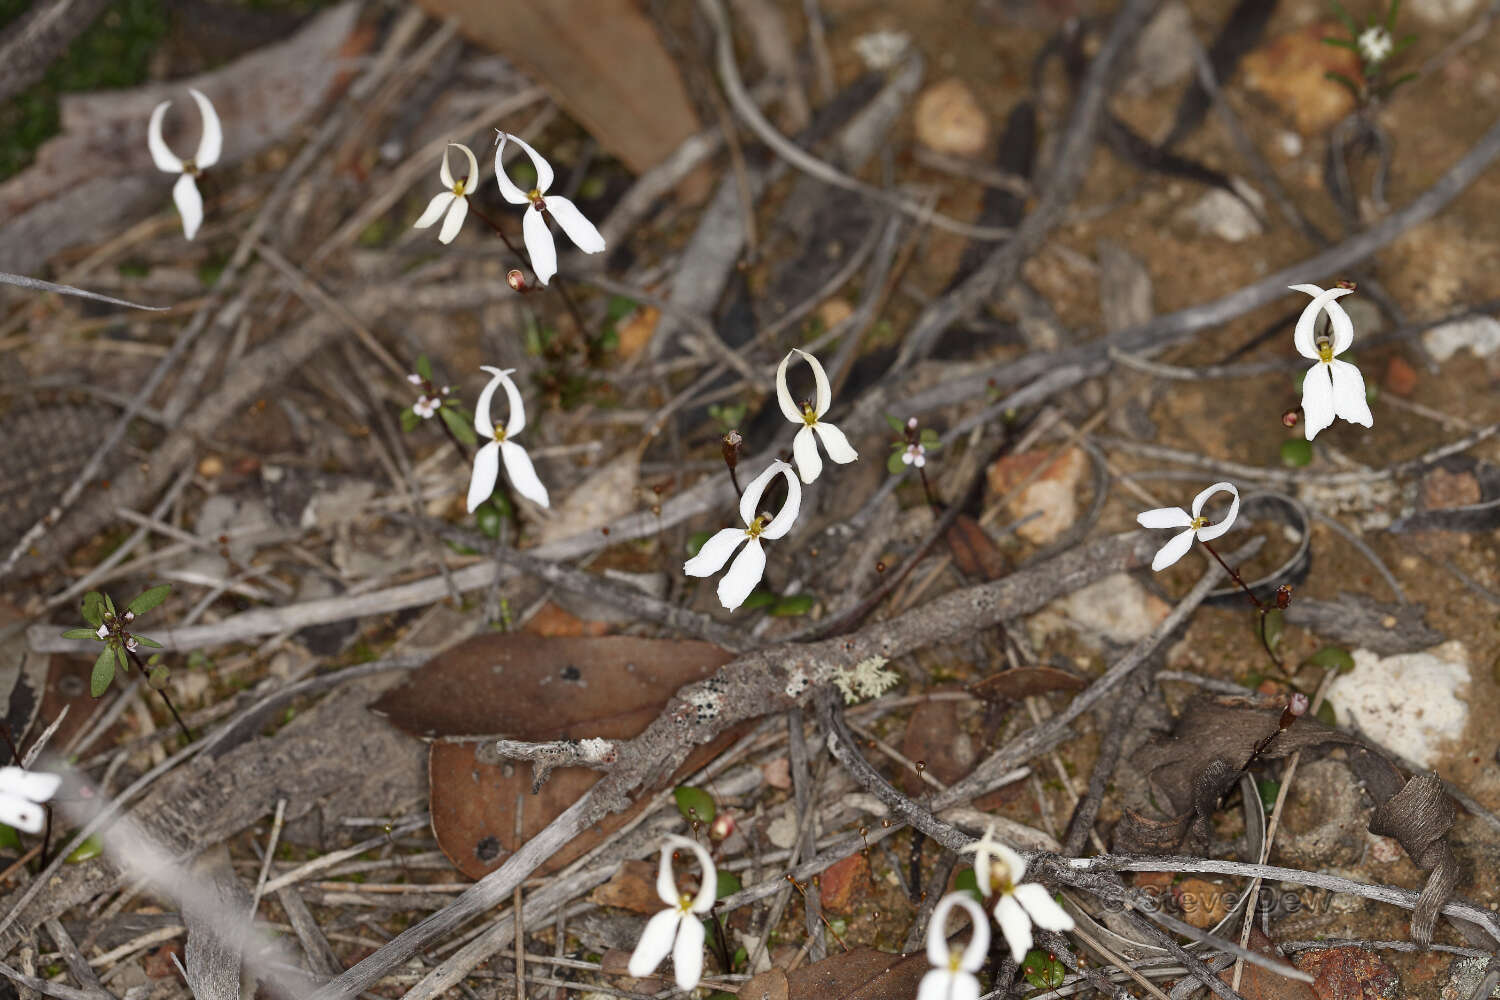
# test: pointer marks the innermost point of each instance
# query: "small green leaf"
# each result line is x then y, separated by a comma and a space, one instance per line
897, 424
409, 420
146, 641
696, 542
1342, 43
1272, 626
1326, 714
10, 840
121, 658
424, 367
90, 848
894, 465
729, 884
93, 608
109, 605
790, 607
967, 881
461, 428
150, 599
1268, 791
488, 520
1332, 657
930, 439
1296, 452
696, 805
1042, 970
104, 673
82, 633
759, 599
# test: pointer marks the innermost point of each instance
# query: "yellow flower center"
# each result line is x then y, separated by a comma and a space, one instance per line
1198, 522
685, 903
535, 196
499, 433
190, 168
955, 960
1325, 352
458, 187
756, 526
808, 416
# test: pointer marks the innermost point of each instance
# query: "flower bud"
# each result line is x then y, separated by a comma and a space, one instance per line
731, 448
1284, 596
1295, 709
721, 827
516, 279
1289, 418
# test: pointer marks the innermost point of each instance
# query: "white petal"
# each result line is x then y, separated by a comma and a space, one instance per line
1015, 865
211, 141
1042, 908
784, 395
937, 932
486, 471
515, 420
1343, 326
163, 157
21, 814
787, 515
666, 885
1213, 531
655, 943
750, 499
1164, 517
434, 210
708, 886
1303, 338
454, 220
38, 786
937, 984
1015, 925
543, 168
838, 446
715, 552
580, 230
539, 245
805, 451
189, 204
822, 395
1349, 399
744, 573
471, 181
1317, 399
687, 953
964, 987
445, 172
508, 189
522, 473
1174, 550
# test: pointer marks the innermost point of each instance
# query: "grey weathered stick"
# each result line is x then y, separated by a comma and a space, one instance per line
38, 37
38, 285
752, 685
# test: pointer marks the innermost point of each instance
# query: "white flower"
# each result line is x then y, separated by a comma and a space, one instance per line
451, 205
952, 976
677, 929
415, 379
425, 406
914, 454
1374, 44
1196, 525
21, 793
999, 869
487, 460
103, 632
533, 225
750, 563
804, 447
1332, 388
185, 192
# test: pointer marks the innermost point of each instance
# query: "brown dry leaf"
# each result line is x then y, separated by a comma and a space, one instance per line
844, 883
769, 985
631, 888
859, 974
1013, 685
1263, 984
974, 551
534, 688
602, 62
936, 742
